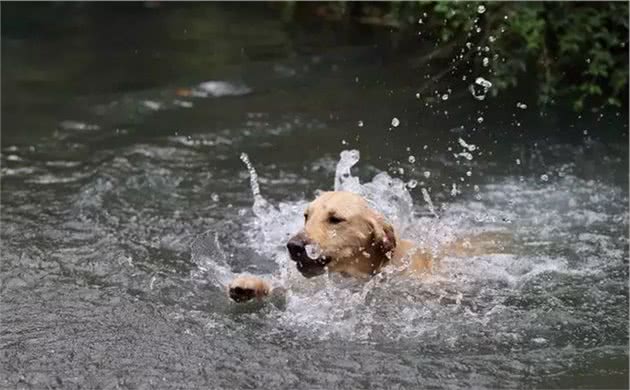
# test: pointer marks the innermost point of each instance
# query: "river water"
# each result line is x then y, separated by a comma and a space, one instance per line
129, 139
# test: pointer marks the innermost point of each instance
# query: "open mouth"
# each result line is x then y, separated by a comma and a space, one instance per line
308, 257
311, 268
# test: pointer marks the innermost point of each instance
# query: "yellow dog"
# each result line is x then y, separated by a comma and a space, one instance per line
341, 234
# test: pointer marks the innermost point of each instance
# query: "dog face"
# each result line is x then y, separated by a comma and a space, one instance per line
342, 234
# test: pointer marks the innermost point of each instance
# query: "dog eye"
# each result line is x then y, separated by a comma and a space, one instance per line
305, 217
335, 220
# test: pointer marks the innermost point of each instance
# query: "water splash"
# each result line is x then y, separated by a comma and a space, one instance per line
313, 251
344, 181
261, 207
211, 259
272, 226
479, 289
427, 199
384, 193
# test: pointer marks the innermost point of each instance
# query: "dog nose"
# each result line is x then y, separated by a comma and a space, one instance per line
296, 248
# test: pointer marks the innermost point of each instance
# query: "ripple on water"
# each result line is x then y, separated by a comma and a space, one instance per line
554, 295
524, 296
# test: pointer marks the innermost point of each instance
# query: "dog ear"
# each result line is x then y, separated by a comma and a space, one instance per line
384, 238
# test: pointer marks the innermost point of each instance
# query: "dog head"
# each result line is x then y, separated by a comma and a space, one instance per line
342, 234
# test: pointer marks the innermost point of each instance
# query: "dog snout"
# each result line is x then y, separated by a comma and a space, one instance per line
297, 247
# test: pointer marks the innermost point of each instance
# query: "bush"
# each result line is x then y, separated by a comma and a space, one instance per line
577, 51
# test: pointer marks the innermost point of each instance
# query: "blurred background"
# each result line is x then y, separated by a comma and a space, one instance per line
121, 135
556, 58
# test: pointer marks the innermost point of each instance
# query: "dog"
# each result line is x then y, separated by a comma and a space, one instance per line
341, 234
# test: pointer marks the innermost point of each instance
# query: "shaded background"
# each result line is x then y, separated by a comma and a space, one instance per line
117, 153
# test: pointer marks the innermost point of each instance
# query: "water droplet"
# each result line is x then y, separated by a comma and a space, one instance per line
491, 39
520, 105
344, 142
485, 61
480, 88
466, 155
360, 123
412, 183
313, 251
518, 161
395, 122
476, 188
483, 82
417, 95
454, 190
469, 173
466, 145
412, 159
481, 9
445, 96
544, 177
427, 174
214, 197
420, 21
480, 119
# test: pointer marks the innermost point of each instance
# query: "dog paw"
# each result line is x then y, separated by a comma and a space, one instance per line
246, 288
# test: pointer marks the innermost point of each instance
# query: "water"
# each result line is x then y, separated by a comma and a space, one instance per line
139, 175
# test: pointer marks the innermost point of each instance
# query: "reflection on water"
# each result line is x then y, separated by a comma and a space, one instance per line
127, 207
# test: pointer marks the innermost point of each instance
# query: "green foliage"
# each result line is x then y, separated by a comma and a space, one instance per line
574, 51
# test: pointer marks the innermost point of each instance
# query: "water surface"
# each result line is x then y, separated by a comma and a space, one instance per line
126, 208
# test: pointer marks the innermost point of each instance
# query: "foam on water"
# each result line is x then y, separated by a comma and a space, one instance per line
544, 249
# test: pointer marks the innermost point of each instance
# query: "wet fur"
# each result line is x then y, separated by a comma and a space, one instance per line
364, 242
358, 246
